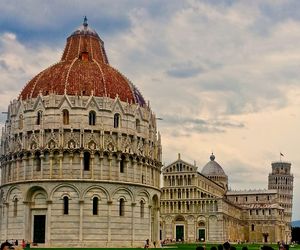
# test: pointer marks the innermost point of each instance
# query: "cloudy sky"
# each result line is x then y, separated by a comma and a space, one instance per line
223, 75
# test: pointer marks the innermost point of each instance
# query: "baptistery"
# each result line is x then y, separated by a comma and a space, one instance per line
80, 155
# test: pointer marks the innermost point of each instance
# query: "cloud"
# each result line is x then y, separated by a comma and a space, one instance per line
19, 63
185, 70
184, 126
220, 73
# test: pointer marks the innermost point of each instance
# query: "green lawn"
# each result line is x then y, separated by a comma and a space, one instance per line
180, 247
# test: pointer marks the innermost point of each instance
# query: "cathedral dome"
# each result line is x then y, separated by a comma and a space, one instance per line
83, 70
212, 168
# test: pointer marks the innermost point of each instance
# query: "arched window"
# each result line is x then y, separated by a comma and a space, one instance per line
138, 125
252, 227
116, 120
20, 121
142, 209
179, 194
66, 205
38, 161
121, 207
95, 205
92, 118
65, 117
86, 161
39, 118
15, 207
122, 164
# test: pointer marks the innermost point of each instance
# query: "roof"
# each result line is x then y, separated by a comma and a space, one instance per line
251, 192
212, 168
260, 206
83, 70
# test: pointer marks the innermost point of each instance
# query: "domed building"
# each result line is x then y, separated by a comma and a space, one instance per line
80, 155
215, 172
197, 206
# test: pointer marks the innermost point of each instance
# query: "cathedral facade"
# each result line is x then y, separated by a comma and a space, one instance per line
197, 206
80, 155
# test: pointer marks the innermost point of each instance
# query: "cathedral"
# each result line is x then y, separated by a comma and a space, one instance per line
197, 206
81, 167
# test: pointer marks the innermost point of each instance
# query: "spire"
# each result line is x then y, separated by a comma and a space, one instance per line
212, 157
85, 23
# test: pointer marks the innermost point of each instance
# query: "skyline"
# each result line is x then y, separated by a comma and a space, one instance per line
223, 75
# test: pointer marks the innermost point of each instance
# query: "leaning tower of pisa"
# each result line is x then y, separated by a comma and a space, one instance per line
281, 179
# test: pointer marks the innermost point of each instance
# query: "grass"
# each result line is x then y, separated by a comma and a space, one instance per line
180, 247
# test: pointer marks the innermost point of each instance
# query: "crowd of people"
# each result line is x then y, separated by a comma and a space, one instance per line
14, 244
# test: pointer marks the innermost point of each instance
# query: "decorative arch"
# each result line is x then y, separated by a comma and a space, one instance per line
64, 185
128, 191
31, 192
96, 187
143, 193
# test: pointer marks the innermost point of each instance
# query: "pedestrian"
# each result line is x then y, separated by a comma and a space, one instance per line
5, 245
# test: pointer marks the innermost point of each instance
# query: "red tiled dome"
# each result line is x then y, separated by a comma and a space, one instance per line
83, 70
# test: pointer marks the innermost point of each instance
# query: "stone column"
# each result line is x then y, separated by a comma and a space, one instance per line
109, 203
6, 204
101, 157
81, 202
49, 209
81, 165
134, 168
27, 220
31, 158
42, 157
92, 164
60, 156
132, 222
24, 167
118, 166
109, 165
126, 167
71, 155
50, 165
18, 168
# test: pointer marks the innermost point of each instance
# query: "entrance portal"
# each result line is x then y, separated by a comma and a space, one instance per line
201, 235
265, 235
179, 233
39, 224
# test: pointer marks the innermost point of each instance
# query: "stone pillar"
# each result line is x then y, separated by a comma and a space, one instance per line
81, 202
27, 220
42, 157
49, 209
132, 222
109, 165
118, 166
60, 157
93, 165
6, 219
71, 155
109, 203
51, 165
18, 169
81, 165
31, 158
24, 167
101, 157
126, 167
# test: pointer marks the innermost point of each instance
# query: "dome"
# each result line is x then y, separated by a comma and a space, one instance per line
212, 168
83, 70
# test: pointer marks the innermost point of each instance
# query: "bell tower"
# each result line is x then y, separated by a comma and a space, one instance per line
282, 180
